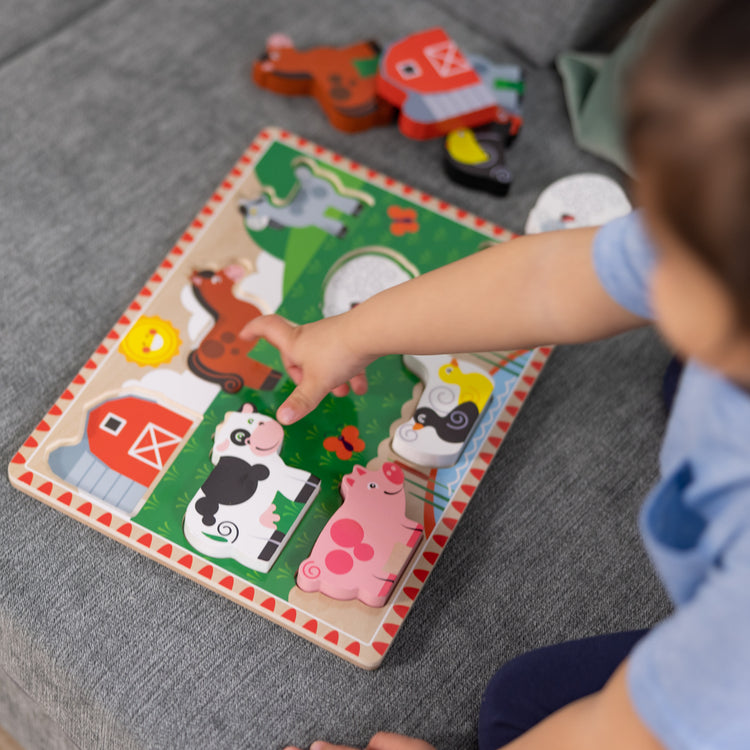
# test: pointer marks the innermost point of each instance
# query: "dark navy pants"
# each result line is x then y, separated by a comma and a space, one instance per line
531, 687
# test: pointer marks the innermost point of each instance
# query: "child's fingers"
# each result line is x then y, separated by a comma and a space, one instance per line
276, 330
359, 383
303, 399
389, 741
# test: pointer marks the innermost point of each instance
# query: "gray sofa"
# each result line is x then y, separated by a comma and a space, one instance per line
118, 119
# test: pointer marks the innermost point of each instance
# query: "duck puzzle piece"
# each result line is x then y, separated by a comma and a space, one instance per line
476, 158
352, 557
342, 79
435, 86
455, 396
252, 501
222, 356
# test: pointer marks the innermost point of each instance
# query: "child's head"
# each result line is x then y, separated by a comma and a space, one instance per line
688, 132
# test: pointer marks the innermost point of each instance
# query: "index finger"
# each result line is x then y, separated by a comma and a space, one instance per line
275, 329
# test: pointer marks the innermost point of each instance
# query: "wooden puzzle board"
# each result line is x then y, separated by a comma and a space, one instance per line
296, 269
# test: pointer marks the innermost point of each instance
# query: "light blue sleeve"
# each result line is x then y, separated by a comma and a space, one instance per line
689, 678
623, 259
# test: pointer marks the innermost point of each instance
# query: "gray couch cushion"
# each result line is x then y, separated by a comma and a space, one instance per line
116, 131
23, 23
539, 29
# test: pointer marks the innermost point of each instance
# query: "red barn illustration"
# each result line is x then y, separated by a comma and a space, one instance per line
127, 442
434, 84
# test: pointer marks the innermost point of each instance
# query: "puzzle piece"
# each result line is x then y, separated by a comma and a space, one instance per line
252, 501
435, 86
455, 396
476, 158
307, 206
342, 79
578, 200
352, 557
504, 79
126, 444
222, 356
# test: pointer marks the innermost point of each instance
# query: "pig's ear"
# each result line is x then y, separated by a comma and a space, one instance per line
247, 408
360, 470
349, 479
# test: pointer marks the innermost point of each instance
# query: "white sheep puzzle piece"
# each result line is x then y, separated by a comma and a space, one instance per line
236, 513
455, 396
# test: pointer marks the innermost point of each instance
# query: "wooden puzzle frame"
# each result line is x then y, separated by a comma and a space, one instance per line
351, 630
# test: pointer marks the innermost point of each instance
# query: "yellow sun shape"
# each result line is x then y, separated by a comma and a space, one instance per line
151, 341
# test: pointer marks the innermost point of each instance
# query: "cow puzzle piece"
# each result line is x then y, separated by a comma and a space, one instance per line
222, 356
251, 502
435, 86
352, 557
455, 396
342, 79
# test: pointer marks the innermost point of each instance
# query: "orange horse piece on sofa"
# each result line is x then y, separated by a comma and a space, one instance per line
342, 79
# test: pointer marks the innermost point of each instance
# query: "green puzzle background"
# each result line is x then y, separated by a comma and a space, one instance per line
309, 254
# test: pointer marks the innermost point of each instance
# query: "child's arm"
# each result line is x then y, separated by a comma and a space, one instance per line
540, 289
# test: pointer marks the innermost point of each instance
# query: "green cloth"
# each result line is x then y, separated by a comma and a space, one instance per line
594, 84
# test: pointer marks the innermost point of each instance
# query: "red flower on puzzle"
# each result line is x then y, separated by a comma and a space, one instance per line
345, 444
403, 220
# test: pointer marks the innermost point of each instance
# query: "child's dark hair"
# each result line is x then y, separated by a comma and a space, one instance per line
688, 128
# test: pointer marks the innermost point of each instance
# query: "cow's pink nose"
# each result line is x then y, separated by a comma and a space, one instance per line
393, 473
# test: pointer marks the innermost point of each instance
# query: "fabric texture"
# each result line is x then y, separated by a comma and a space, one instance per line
116, 130
539, 30
594, 85
688, 678
536, 684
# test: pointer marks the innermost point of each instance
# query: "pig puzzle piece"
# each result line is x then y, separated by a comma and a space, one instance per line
455, 396
342, 79
435, 86
353, 556
252, 501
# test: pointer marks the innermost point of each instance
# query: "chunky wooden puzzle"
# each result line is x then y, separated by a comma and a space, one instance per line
166, 439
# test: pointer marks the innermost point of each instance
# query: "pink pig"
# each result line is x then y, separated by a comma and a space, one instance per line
350, 557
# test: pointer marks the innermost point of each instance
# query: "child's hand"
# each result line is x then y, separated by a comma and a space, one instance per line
319, 357
381, 741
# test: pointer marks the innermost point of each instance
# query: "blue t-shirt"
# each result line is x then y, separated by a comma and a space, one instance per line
689, 678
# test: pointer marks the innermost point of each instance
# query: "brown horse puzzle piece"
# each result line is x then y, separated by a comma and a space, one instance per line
342, 79
222, 356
